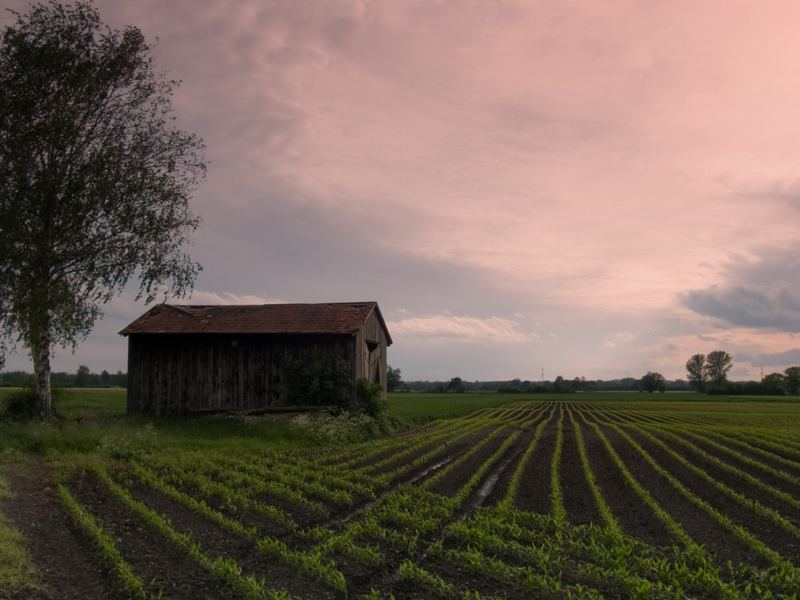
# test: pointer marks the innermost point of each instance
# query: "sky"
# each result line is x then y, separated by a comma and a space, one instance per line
593, 189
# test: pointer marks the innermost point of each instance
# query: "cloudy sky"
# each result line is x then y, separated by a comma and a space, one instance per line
594, 189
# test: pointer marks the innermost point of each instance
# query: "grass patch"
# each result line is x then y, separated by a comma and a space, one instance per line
95, 421
414, 408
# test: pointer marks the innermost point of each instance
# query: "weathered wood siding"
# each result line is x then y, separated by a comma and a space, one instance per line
370, 347
176, 374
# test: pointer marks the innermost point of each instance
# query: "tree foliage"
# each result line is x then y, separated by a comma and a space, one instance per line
774, 383
653, 382
456, 385
696, 372
393, 378
95, 178
792, 380
716, 368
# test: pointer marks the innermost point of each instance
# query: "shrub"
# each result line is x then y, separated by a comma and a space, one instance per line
369, 398
21, 404
315, 378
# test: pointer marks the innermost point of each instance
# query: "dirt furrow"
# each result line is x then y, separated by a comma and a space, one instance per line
66, 560
698, 524
578, 500
732, 480
634, 517
765, 473
145, 552
452, 481
217, 542
769, 532
533, 493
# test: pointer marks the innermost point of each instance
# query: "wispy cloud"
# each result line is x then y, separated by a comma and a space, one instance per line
465, 328
204, 297
616, 339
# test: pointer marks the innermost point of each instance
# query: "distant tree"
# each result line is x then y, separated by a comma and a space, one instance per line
95, 179
695, 369
393, 378
653, 382
122, 379
82, 376
774, 383
105, 378
792, 379
718, 363
456, 385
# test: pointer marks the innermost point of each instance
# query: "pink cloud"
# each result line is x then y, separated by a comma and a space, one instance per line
464, 328
592, 161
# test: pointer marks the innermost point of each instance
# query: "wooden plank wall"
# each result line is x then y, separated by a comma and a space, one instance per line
174, 374
371, 364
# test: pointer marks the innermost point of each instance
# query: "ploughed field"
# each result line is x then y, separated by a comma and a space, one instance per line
532, 499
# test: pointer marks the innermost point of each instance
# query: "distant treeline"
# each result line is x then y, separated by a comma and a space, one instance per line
579, 384
519, 386
83, 378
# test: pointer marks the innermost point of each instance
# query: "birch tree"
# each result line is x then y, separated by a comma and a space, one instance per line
95, 179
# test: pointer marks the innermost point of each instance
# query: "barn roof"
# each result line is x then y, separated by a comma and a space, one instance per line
329, 318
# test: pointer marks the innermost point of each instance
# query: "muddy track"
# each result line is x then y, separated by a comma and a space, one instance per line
452, 481
494, 486
66, 560
452, 449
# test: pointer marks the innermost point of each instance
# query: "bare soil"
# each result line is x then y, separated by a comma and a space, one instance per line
635, 517
67, 562
533, 493
770, 533
145, 550
698, 524
500, 477
217, 542
738, 483
450, 483
578, 499
765, 476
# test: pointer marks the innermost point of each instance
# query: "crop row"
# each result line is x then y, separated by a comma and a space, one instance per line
436, 511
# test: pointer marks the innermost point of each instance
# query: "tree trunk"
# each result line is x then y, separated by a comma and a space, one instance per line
40, 352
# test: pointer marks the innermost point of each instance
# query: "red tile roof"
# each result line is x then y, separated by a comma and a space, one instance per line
332, 318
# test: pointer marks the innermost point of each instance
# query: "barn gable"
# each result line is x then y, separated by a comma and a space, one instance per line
188, 358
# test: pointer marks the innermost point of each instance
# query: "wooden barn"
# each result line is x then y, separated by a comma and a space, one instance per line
193, 359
